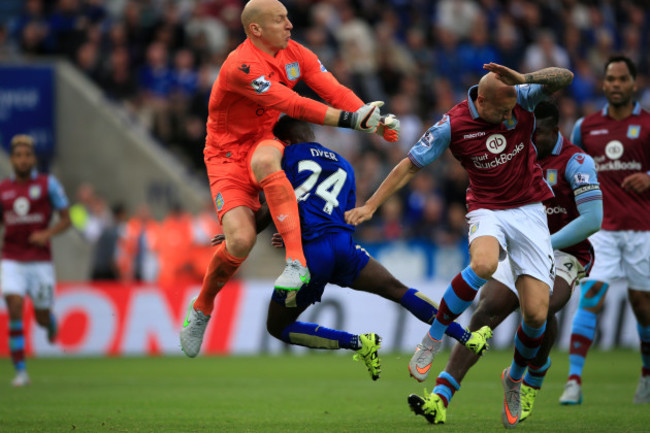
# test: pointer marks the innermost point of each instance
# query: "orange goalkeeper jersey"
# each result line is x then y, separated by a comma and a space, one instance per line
253, 88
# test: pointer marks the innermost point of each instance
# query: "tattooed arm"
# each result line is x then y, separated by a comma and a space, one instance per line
551, 79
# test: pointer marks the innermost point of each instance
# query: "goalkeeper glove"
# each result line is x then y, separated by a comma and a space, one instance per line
389, 128
388, 125
365, 119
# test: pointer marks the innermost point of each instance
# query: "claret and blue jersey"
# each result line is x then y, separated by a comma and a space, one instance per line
500, 159
577, 202
619, 149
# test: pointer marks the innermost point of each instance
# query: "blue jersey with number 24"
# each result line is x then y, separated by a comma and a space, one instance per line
325, 189
324, 185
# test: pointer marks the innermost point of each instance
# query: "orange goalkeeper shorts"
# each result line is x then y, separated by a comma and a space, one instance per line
232, 183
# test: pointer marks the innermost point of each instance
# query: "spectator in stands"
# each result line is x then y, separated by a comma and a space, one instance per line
155, 79
66, 27
105, 255
33, 38
545, 52
81, 208
33, 12
117, 79
137, 259
476, 52
174, 247
87, 60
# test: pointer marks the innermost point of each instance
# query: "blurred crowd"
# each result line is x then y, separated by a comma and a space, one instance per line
133, 246
159, 59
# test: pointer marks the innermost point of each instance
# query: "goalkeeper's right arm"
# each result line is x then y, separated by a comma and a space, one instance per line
365, 119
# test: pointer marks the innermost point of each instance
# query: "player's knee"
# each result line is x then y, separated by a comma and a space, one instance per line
484, 267
535, 318
240, 243
14, 307
42, 317
592, 295
266, 163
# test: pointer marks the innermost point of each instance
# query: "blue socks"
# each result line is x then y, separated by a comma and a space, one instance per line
319, 337
424, 309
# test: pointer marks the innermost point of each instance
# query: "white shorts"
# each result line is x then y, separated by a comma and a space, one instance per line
523, 237
624, 255
567, 267
35, 279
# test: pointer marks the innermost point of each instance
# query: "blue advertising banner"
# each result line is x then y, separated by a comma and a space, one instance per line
27, 107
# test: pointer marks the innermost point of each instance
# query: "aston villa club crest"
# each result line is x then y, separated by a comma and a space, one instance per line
293, 71
219, 201
35, 192
633, 131
551, 177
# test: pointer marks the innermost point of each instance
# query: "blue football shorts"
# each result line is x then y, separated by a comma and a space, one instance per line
332, 258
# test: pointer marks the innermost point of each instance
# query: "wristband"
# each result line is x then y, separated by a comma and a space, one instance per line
346, 119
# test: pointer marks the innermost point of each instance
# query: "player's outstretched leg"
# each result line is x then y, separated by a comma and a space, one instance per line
421, 361
370, 344
431, 406
191, 334
511, 412
478, 341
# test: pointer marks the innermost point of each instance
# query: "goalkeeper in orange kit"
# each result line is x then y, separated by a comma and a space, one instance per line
243, 158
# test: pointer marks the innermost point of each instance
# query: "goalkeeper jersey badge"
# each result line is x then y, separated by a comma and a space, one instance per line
293, 70
261, 84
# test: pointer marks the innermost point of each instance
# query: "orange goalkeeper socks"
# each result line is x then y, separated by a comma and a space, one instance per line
284, 209
222, 267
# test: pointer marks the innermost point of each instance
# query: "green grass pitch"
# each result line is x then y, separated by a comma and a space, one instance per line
318, 392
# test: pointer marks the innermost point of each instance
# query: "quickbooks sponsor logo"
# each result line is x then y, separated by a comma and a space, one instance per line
496, 143
555, 210
501, 159
618, 166
614, 149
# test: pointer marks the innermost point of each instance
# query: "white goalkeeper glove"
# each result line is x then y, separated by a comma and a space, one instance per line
365, 119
